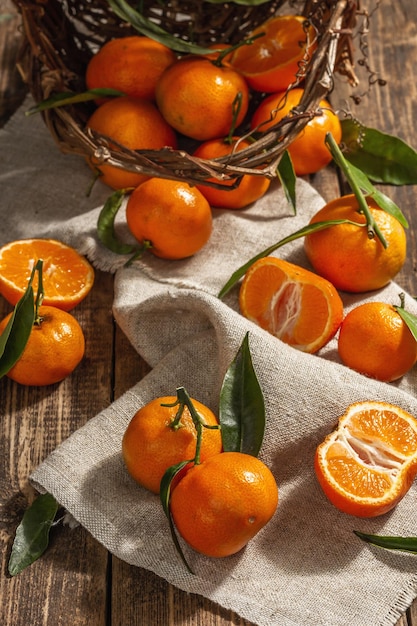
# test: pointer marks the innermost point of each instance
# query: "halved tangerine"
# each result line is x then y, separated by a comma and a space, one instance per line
278, 57
67, 276
297, 306
367, 465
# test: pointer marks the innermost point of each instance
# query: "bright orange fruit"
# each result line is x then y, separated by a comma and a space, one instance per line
151, 445
131, 65
308, 151
173, 216
135, 123
197, 97
280, 56
374, 340
367, 465
293, 304
55, 347
345, 255
67, 276
250, 188
222, 503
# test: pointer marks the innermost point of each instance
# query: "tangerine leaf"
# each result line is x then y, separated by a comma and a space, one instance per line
302, 232
66, 98
287, 177
409, 319
105, 224
242, 407
151, 29
404, 544
15, 336
165, 496
32, 534
383, 157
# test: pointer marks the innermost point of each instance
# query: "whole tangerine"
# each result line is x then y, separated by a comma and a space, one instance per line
346, 255
222, 503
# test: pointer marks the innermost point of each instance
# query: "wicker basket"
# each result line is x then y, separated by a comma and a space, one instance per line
60, 36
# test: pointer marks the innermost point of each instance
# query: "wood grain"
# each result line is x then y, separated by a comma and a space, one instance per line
77, 582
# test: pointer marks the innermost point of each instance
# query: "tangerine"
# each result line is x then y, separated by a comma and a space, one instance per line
134, 123
347, 256
280, 56
368, 463
131, 65
154, 440
297, 306
197, 97
374, 340
308, 150
55, 347
251, 186
172, 216
222, 503
67, 276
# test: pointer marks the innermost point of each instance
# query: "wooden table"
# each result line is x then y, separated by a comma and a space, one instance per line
77, 582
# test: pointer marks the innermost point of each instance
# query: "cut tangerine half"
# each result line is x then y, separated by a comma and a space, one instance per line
367, 465
66, 275
297, 306
279, 55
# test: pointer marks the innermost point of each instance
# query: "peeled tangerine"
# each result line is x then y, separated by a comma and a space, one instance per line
367, 465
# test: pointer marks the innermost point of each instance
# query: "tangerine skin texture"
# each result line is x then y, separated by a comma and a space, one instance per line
369, 462
131, 65
196, 97
375, 341
221, 504
53, 351
150, 446
173, 216
346, 256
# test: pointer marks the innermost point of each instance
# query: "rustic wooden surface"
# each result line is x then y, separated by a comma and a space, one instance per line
77, 582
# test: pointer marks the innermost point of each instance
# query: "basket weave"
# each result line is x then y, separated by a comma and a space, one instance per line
60, 37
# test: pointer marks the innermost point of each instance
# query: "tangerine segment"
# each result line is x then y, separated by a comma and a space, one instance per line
297, 306
279, 57
222, 503
67, 276
367, 465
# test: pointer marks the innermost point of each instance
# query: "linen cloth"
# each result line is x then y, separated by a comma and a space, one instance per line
306, 566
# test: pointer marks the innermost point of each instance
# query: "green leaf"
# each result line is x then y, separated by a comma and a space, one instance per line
384, 158
15, 336
242, 407
306, 230
288, 178
32, 534
66, 98
409, 319
165, 496
404, 544
105, 224
152, 30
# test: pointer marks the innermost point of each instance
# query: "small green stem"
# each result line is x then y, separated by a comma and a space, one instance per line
145, 245
372, 226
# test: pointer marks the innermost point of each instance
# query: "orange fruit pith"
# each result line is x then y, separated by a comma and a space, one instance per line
374, 340
134, 123
345, 255
150, 445
367, 465
66, 275
308, 151
222, 503
54, 349
197, 98
174, 217
279, 57
131, 65
251, 187
291, 303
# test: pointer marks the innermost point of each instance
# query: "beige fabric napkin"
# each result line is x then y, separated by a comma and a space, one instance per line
306, 566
